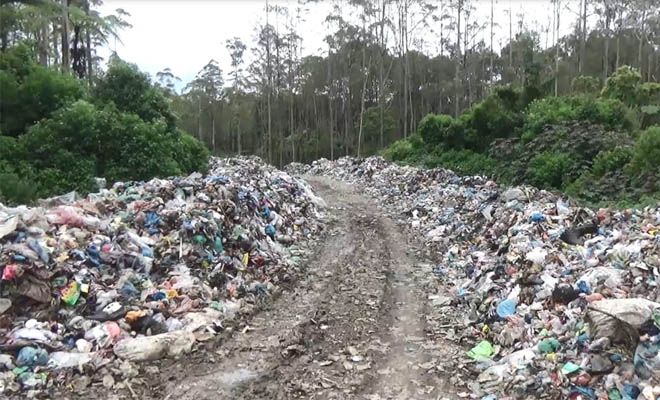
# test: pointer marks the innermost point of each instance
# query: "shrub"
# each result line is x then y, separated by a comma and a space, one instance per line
190, 153
33, 93
16, 190
547, 170
546, 111
646, 157
622, 85
611, 160
649, 99
401, 150
611, 113
81, 141
490, 120
464, 162
436, 129
131, 91
586, 85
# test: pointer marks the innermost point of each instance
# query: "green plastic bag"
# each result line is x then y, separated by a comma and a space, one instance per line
482, 351
569, 368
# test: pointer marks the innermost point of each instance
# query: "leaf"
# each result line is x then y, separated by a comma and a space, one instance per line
650, 110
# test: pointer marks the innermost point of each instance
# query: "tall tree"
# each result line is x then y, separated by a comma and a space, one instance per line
236, 50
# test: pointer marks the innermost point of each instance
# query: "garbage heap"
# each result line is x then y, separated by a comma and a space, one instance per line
554, 301
145, 269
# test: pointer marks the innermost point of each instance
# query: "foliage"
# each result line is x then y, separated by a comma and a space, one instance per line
64, 138
649, 100
440, 129
190, 153
547, 170
612, 160
623, 85
14, 189
492, 119
611, 113
130, 90
82, 141
401, 150
646, 158
498, 116
465, 162
31, 92
586, 85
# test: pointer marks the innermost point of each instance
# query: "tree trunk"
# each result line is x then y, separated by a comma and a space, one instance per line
642, 35
270, 81
492, 14
316, 123
4, 38
240, 145
43, 45
293, 141
381, 78
606, 52
364, 91
558, 14
213, 127
583, 36
56, 46
330, 121
510, 36
404, 49
616, 64
199, 120
65, 35
88, 49
458, 58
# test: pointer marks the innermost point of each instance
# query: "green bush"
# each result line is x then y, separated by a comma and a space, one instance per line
464, 162
31, 93
16, 190
646, 158
611, 160
60, 138
190, 154
586, 85
546, 111
548, 169
649, 100
130, 90
437, 129
81, 141
611, 113
623, 85
401, 150
491, 120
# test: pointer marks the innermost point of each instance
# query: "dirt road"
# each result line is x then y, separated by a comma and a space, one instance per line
354, 327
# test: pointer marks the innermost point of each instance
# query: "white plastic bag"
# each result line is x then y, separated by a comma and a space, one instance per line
155, 347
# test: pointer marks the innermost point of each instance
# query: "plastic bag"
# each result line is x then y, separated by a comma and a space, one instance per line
647, 359
62, 359
103, 334
65, 215
31, 356
155, 347
634, 312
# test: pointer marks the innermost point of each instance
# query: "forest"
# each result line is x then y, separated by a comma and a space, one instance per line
423, 81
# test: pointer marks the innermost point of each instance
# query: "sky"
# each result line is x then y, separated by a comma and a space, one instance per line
184, 35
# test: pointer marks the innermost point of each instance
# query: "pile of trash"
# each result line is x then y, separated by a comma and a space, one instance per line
144, 270
555, 300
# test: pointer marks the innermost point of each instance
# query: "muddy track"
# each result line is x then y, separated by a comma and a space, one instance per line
354, 327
